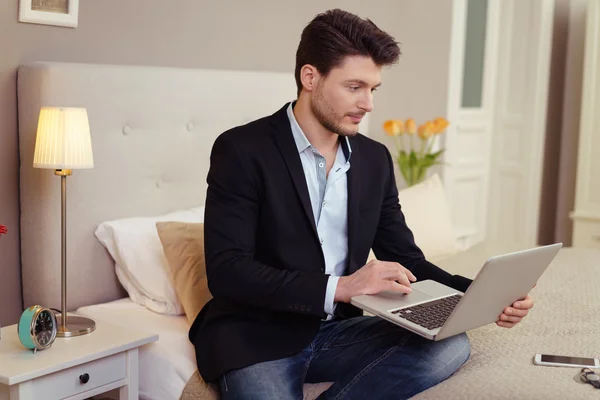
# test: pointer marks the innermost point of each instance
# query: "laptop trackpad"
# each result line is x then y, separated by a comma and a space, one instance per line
422, 291
394, 299
433, 288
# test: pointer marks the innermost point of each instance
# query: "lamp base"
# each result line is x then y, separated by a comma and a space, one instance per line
76, 326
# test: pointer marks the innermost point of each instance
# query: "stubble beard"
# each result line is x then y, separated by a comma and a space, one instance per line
327, 117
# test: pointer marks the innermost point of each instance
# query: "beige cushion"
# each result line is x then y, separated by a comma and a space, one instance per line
140, 263
428, 216
183, 245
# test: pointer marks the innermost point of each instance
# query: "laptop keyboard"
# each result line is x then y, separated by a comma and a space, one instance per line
430, 315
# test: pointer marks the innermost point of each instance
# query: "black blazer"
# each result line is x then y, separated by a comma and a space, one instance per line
264, 262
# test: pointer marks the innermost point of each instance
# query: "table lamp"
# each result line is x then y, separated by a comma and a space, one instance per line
63, 143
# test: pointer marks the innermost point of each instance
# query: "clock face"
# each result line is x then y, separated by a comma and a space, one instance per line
43, 328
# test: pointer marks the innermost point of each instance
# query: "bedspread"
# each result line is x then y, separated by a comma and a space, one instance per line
564, 321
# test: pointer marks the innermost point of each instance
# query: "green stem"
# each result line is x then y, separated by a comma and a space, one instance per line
431, 145
423, 143
415, 177
398, 143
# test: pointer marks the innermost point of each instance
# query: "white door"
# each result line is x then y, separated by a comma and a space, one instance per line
500, 56
520, 121
471, 104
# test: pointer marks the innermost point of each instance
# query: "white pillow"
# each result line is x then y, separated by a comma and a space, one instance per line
140, 263
428, 217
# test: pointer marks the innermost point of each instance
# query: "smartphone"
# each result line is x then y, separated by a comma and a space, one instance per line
566, 361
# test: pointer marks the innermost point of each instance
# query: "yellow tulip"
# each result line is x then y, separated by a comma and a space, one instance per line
430, 127
426, 130
440, 125
393, 127
411, 126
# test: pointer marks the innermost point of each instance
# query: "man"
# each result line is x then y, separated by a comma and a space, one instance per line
295, 202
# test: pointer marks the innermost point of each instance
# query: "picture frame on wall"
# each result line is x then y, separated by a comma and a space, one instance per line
49, 12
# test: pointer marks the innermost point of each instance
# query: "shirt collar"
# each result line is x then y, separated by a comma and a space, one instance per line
301, 140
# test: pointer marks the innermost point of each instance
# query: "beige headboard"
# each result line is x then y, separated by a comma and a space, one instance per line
152, 131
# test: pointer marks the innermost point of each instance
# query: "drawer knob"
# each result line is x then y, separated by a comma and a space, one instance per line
84, 378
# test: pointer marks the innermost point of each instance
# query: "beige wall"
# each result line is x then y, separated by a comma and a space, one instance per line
570, 121
256, 35
564, 107
556, 91
560, 166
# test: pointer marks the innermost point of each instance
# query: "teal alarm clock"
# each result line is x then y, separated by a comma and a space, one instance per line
37, 328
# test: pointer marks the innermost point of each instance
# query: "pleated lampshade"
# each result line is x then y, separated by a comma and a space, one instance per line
63, 139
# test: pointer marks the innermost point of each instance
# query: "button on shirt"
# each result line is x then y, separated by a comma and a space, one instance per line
329, 200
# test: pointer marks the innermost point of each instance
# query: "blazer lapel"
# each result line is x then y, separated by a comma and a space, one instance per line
353, 175
285, 142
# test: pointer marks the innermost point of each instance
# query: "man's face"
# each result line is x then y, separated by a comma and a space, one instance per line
342, 98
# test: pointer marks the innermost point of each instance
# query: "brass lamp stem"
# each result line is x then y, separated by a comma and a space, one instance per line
76, 325
63, 255
63, 173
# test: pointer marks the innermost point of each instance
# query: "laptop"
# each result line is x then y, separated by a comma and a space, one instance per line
436, 311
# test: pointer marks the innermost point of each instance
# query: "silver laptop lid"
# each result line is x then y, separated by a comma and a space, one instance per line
501, 281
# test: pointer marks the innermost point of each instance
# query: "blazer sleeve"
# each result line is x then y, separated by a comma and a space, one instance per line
394, 241
231, 217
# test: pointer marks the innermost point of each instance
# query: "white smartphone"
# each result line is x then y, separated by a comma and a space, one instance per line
566, 361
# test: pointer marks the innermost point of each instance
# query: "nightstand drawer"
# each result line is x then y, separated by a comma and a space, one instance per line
67, 382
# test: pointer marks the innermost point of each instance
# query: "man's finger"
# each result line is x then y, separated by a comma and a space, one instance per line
394, 273
505, 324
396, 287
509, 318
401, 273
515, 312
402, 278
410, 275
525, 304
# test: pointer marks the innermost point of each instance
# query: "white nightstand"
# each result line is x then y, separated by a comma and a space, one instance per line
73, 368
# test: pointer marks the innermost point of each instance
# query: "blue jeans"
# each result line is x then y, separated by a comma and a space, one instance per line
365, 357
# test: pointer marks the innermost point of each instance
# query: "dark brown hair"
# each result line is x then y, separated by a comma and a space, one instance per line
335, 34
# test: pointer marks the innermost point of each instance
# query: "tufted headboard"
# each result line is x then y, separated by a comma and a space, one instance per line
152, 132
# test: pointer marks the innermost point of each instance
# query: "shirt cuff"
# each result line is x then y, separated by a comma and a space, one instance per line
330, 294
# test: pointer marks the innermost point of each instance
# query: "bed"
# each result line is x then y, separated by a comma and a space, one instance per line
152, 131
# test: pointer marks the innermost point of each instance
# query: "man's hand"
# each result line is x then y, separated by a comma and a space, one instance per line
513, 315
373, 278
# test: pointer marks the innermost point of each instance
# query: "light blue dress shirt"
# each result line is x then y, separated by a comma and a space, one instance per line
329, 200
